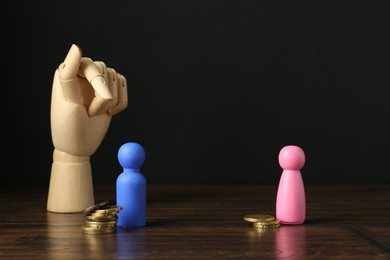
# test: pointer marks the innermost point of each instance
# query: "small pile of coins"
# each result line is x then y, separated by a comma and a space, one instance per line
263, 221
101, 218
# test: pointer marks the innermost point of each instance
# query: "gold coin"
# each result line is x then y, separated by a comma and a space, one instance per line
268, 227
273, 222
100, 224
111, 207
259, 218
101, 218
270, 224
102, 214
108, 209
96, 206
94, 231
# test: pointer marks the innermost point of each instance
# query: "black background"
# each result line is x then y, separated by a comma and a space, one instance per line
216, 88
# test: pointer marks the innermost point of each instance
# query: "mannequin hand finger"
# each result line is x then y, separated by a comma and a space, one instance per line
97, 106
70, 67
122, 96
113, 85
92, 73
67, 74
108, 79
103, 69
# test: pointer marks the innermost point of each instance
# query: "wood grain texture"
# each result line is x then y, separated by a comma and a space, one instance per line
204, 222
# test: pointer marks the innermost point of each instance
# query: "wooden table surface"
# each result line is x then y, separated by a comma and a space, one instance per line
204, 222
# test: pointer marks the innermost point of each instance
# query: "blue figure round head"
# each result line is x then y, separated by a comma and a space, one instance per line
131, 155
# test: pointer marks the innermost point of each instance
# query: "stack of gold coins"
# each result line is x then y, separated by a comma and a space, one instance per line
263, 221
101, 218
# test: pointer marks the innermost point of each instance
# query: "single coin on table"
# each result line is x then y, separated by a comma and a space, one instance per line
259, 218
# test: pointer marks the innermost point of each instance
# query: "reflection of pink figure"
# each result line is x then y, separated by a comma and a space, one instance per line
290, 243
290, 199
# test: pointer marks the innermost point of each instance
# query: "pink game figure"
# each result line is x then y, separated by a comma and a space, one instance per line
290, 199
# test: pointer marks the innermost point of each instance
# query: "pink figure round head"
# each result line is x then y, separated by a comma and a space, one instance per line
291, 157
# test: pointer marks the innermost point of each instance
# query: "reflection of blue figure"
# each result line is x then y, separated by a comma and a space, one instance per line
131, 186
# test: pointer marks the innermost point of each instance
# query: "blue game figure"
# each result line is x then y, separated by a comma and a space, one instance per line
131, 186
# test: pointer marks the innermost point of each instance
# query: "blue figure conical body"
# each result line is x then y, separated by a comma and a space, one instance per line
131, 186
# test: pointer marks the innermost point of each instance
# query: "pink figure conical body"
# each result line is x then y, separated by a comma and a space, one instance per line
291, 198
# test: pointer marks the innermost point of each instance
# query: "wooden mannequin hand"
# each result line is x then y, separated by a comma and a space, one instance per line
85, 95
